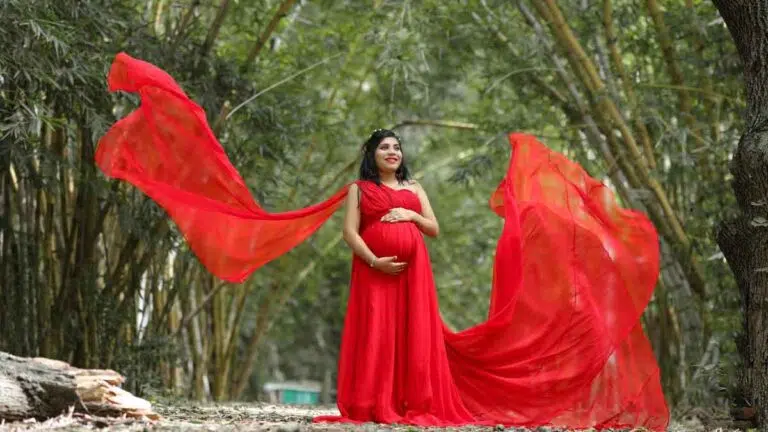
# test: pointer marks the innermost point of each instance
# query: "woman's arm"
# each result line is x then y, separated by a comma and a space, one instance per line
352, 226
426, 221
353, 239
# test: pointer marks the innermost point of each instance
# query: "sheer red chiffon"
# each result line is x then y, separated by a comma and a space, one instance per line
562, 345
166, 149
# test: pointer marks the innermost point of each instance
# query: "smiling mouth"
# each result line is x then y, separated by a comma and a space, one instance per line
392, 160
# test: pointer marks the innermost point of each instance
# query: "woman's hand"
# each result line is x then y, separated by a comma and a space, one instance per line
389, 265
399, 214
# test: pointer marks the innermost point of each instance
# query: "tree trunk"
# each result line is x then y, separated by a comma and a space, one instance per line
43, 388
744, 239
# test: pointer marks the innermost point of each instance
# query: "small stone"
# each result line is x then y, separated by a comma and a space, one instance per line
289, 427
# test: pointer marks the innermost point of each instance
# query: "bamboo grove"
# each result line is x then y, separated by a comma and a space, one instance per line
643, 94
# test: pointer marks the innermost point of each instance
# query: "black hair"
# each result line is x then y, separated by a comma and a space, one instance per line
368, 169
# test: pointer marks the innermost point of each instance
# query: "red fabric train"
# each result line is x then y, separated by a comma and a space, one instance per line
563, 344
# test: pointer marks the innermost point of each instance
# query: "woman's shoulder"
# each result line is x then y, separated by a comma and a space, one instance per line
415, 186
363, 186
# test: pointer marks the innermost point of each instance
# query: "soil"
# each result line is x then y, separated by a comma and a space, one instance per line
260, 417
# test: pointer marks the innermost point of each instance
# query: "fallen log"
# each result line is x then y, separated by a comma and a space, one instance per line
43, 388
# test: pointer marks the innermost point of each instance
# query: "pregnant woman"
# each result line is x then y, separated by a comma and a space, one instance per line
573, 272
393, 358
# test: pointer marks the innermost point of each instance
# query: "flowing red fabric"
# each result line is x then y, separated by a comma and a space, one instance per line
166, 149
562, 345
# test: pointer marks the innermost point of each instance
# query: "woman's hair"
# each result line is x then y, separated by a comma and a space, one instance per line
368, 169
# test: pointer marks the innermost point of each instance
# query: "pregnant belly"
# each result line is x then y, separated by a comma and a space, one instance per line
392, 239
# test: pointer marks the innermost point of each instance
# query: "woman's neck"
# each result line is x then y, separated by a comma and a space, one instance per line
387, 178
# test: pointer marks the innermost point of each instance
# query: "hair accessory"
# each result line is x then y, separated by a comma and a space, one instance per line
397, 137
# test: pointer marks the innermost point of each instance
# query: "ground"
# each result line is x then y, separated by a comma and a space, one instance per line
256, 417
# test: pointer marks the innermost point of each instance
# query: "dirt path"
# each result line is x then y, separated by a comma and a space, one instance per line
246, 417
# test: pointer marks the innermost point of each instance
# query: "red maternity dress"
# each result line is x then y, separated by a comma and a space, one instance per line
563, 344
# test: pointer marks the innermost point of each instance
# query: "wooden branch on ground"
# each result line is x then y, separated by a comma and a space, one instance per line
43, 388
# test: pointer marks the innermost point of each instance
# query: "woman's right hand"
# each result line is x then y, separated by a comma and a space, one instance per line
389, 265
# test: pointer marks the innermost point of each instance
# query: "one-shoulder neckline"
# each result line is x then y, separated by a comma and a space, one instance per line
396, 190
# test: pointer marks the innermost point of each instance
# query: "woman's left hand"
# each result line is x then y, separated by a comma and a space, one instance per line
399, 214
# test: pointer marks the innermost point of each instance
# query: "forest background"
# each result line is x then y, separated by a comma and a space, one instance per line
648, 96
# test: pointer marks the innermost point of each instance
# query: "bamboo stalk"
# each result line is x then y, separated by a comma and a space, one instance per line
67, 232
25, 203
670, 58
618, 64
352, 54
580, 116
47, 293
215, 28
158, 231
229, 357
583, 120
218, 334
552, 92
240, 381
610, 117
187, 318
158, 16
7, 281
263, 317
184, 23
198, 349
38, 264
713, 107
282, 11
170, 315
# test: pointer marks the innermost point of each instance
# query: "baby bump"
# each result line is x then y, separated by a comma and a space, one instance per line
392, 239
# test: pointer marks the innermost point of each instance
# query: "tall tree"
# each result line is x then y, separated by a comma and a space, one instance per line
744, 238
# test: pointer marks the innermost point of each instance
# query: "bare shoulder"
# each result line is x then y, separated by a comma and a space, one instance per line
416, 187
353, 194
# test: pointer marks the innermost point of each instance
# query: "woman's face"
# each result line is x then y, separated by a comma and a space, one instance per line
388, 155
